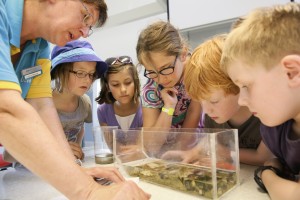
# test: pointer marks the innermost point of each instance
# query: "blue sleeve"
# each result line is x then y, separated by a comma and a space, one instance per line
7, 72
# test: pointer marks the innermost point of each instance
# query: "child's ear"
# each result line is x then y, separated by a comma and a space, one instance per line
107, 87
291, 66
183, 55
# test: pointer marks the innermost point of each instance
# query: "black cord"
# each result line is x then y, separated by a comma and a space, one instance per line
168, 11
257, 175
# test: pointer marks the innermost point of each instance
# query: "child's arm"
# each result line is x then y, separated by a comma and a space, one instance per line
279, 188
188, 156
153, 118
80, 136
193, 115
192, 120
76, 146
103, 124
199, 155
255, 157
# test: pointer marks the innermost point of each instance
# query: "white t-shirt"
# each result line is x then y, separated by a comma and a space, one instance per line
125, 122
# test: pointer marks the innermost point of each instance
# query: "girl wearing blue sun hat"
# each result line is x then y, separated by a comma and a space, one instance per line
75, 67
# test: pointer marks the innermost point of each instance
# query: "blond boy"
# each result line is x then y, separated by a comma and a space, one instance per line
262, 57
207, 83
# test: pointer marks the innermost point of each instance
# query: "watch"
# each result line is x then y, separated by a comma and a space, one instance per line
258, 172
169, 111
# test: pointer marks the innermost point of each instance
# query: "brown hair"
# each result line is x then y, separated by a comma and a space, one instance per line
105, 96
60, 76
203, 71
102, 8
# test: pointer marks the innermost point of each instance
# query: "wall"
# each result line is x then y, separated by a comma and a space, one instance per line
116, 39
196, 37
195, 13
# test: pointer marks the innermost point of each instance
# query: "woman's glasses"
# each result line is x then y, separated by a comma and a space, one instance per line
166, 71
122, 60
88, 19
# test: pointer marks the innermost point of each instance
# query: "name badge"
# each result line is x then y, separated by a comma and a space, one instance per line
31, 72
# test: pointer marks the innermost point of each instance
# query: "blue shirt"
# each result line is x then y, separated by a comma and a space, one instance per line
106, 114
279, 140
35, 52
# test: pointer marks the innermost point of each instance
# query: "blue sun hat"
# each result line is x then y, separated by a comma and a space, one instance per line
77, 51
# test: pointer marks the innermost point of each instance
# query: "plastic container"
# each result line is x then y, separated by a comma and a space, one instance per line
202, 162
103, 144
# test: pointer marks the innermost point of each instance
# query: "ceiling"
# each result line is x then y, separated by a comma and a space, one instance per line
124, 11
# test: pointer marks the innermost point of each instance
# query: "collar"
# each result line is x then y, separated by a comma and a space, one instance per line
15, 16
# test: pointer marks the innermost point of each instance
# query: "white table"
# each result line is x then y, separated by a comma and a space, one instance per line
20, 184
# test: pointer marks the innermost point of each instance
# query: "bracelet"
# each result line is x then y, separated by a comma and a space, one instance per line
258, 172
169, 111
78, 162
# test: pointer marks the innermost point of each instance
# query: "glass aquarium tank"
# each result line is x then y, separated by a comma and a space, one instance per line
202, 162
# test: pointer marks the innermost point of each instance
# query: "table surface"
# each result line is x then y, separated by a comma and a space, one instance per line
20, 184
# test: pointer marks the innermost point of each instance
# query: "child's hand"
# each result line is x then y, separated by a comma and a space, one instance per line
77, 151
128, 148
169, 96
190, 156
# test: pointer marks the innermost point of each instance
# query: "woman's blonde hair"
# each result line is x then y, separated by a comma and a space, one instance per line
203, 71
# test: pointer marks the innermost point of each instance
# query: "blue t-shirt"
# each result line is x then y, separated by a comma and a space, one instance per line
34, 53
278, 140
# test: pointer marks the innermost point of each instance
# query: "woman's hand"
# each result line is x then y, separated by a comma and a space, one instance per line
127, 190
110, 173
120, 190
